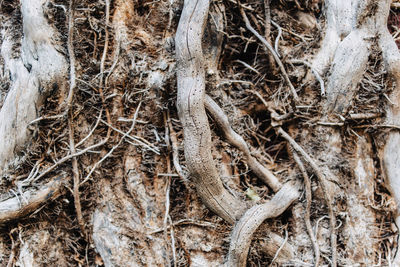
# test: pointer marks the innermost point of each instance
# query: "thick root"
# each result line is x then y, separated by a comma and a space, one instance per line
40, 69
190, 103
253, 218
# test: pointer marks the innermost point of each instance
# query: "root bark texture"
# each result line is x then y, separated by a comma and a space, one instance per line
253, 218
190, 104
39, 69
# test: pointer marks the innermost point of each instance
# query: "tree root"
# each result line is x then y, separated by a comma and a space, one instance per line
307, 185
270, 49
190, 104
321, 177
39, 68
253, 218
21, 206
236, 140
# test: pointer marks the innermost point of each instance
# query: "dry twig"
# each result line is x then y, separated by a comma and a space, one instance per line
270, 48
114, 147
72, 84
307, 184
324, 186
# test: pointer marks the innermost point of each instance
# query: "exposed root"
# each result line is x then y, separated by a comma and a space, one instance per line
190, 104
97, 164
72, 84
253, 218
236, 140
307, 185
327, 195
175, 150
39, 68
27, 203
314, 71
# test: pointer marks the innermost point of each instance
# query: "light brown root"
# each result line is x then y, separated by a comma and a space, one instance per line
236, 140
253, 218
72, 84
27, 203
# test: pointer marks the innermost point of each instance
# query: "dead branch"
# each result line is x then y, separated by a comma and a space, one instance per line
21, 206
236, 140
253, 218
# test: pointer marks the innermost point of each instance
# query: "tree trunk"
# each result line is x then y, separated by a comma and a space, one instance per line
199, 133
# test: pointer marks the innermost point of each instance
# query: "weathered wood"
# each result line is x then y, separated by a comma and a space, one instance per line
30, 200
253, 218
39, 69
192, 114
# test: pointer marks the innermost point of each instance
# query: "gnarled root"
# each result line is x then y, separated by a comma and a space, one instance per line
190, 103
253, 218
39, 69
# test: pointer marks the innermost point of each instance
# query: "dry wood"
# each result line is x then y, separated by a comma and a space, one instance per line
190, 104
327, 194
307, 186
27, 203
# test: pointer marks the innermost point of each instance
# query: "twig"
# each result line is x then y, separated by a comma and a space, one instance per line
66, 158
248, 66
71, 54
236, 140
166, 214
267, 32
322, 180
185, 222
72, 84
172, 233
105, 50
114, 147
91, 131
314, 71
307, 184
75, 171
280, 248
270, 48
175, 150
135, 139
277, 37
